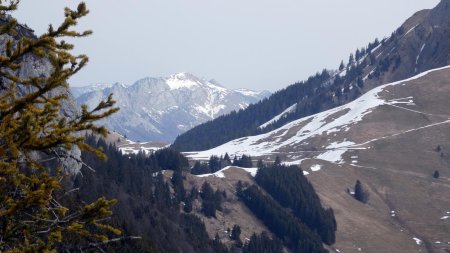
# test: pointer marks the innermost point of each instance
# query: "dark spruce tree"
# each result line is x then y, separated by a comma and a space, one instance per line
211, 201
188, 205
244, 161
436, 174
341, 66
178, 186
360, 193
235, 233
170, 159
277, 160
214, 164
208, 200
260, 164
263, 243
226, 161
200, 168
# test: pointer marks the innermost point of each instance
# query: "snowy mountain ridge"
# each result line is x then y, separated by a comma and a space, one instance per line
80, 90
159, 109
331, 129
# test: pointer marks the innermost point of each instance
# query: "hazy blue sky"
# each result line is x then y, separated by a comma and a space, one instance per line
257, 44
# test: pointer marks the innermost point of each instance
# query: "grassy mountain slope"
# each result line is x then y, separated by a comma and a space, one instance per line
420, 44
394, 150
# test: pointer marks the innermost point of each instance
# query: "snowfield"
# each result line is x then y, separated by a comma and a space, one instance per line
220, 173
279, 116
322, 124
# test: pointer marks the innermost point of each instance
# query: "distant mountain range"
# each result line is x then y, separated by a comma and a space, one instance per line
159, 109
380, 120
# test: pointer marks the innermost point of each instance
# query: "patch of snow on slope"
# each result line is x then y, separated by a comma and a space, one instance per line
279, 116
316, 167
407, 101
210, 110
418, 56
247, 92
220, 173
296, 162
375, 48
334, 156
418, 241
136, 150
217, 88
336, 144
327, 122
343, 72
410, 30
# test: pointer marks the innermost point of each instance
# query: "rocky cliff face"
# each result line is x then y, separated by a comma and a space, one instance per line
32, 66
420, 44
159, 109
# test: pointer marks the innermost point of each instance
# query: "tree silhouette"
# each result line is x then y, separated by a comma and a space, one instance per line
35, 138
360, 194
436, 174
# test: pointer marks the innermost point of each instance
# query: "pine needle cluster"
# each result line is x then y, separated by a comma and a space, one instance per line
37, 213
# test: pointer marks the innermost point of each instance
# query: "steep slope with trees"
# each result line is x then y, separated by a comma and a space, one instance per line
148, 204
295, 235
391, 139
420, 44
292, 190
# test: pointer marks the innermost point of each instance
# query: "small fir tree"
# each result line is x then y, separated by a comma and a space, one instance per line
260, 164
235, 233
351, 60
360, 194
341, 66
436, 174
188, 205
277, 160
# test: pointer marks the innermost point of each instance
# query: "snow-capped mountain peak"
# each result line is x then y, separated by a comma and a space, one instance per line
183, 80
159, 109
252, 93
184, 76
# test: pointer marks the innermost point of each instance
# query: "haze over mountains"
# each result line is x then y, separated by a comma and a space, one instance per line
159, 109
381, 118
271, 173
